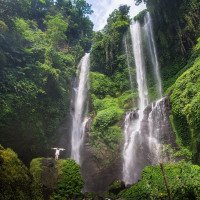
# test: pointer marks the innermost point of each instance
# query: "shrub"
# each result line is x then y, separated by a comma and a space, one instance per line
107, 117
36, 171
183, 180
185, 100
101, 85
14, 177
70, 181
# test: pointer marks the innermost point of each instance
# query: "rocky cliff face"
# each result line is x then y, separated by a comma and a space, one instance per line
100, 167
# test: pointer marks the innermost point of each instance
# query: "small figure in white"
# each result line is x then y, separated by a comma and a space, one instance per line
57, 153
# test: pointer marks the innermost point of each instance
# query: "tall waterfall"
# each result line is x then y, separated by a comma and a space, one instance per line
157, 121
80, 109
132, 127
139, 64
143, 128
153, 52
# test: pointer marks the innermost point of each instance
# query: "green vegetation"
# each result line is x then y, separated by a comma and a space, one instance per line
176, 30
46, 178
183, 179
41, 44
55, 180
14, 177
185, 106
36, 173
70, 182
109, 86
101, 85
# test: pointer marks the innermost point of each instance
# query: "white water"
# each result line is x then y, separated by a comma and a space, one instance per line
142, 132
132, 127
148, 27
139, 64
79, 120
157, 121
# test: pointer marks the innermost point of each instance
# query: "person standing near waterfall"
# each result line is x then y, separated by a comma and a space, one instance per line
57, 152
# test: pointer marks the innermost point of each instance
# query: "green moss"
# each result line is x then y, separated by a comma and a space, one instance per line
36, 172
185, 106
112, 137
56, 180
178, 140
3, 26
14, 177
140, 17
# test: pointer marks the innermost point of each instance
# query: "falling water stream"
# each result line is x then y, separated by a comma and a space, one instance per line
143, 127
148, 27
132, 127
80, 109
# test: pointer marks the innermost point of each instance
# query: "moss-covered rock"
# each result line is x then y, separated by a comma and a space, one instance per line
14, 177
56, 180
185, 100
114, 189
45, 175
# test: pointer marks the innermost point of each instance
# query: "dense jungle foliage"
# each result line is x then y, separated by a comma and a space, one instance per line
41, 42
110, 90
183, 180
185, 105
46, 178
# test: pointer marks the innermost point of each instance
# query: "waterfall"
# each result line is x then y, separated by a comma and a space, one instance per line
132, 127
80, 109
139, 64
145, 127
157, 121
153, 52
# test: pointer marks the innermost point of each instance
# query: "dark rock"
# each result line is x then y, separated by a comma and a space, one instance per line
49, 176
1, 161
134, 115
116, 187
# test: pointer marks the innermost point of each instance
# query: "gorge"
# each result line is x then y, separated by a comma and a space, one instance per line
123, 101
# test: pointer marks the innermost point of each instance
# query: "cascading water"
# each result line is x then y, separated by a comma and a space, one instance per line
157, 120
145, 127
132, 127
80, 109
148, 27
139, 64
